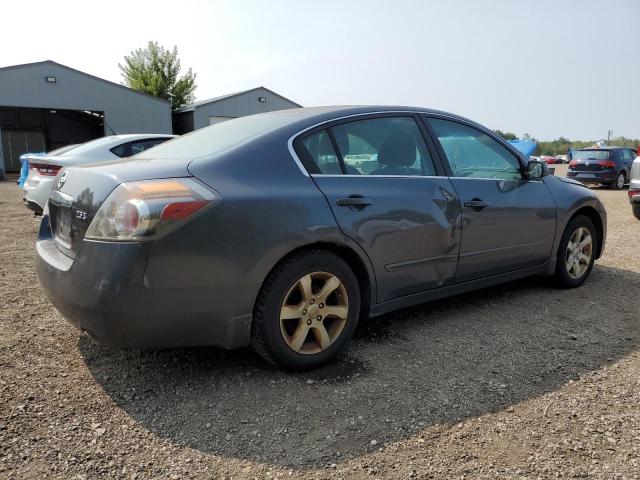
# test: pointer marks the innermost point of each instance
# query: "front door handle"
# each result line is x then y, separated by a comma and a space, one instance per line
476, 204
356, 201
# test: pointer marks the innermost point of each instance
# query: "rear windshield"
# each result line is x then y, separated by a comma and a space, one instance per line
219, 137
591, 154
88, 146
61, 150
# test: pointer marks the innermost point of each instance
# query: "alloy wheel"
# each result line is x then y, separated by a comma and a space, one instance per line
579, 252
314, 313
620, 181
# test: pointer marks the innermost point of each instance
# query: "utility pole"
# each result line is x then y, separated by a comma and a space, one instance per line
609, 133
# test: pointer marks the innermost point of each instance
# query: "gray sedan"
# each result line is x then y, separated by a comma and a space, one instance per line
283, 230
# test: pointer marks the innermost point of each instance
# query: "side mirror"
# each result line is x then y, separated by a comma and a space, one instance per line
535, 170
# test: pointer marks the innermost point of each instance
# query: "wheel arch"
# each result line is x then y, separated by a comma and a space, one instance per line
362, 270
593, 215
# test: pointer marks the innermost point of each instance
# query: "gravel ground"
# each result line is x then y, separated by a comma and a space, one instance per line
516, 381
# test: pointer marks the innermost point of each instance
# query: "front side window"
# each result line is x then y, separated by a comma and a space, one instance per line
383, 146
472, 153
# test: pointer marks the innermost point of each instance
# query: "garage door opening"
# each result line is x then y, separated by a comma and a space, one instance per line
31, 130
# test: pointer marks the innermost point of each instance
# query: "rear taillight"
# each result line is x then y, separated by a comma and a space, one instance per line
633, 193
45, 169
573, 163
148, 208
607, 163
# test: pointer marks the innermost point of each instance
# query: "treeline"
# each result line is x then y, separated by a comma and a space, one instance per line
561, 145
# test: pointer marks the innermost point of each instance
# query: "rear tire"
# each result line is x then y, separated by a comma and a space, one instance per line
618, 183
307, 311
636, 210
576, 252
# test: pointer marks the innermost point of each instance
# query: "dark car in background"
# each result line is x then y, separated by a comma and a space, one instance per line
281, 230
609, 166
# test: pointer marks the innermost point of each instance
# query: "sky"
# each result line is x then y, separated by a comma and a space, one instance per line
548, 68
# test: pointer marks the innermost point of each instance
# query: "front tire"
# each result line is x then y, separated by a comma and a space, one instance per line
307, 311
576, 252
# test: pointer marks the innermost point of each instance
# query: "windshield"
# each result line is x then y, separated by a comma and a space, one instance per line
219, 137
591, 154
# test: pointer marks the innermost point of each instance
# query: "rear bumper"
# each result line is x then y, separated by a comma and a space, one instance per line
634, 191
593, 177
36, 192
34, 207
104, 292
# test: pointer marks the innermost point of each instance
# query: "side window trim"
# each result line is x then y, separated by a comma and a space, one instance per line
301, 152
336, 149
493, 136
439, 162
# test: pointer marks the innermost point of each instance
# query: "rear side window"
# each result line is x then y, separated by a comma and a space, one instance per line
317, 151
627, 155
472, 153
383, 146
133, 148
391, 146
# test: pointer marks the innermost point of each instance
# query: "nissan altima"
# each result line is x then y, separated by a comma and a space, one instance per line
283, 230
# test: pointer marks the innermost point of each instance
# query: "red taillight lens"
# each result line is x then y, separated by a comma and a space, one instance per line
147, 208
181, 210
573, 163
607, 163
633, 193
44, 169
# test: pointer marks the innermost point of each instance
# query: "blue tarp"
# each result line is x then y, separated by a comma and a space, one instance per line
527, 147
24, 169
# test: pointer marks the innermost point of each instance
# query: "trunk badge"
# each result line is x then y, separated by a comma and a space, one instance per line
62, 179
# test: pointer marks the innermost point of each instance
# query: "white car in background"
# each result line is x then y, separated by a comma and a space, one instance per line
43, 170
634, 187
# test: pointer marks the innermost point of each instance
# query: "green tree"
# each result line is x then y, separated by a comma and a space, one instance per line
506, 135
156, 71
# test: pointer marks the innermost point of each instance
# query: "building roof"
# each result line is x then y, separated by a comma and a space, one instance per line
51, 62
199, 103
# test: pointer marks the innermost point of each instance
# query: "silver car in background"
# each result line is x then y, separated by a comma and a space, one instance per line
43, 170
634, 187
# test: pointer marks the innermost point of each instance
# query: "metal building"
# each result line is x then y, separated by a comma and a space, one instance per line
46, 105
218, 109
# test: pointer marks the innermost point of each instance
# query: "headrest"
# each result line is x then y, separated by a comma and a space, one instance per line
399, 149
325, 147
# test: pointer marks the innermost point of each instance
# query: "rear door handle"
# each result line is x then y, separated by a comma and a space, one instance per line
476, 204
354, 201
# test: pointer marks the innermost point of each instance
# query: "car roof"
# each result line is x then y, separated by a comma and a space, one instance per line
302, 118
124, 137
603, 148
340, 110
